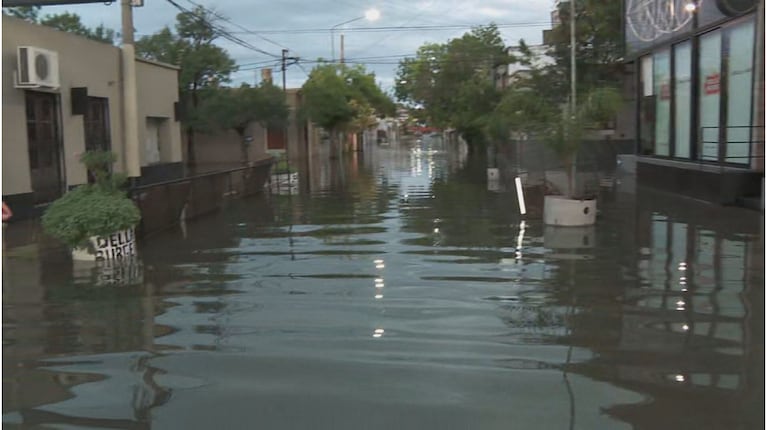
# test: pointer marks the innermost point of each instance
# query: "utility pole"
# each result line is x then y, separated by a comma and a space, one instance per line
573, 90
572, 58
285, 59
284, 67
342, 48
130, 97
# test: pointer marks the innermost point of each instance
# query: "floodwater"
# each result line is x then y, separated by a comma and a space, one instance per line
394, 290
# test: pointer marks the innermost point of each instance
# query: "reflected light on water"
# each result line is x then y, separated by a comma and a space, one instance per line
378, 296
679, 378
520, 239
378, 332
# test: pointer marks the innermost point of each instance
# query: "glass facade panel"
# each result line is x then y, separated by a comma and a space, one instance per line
740, 63
682, 98
709, 68
662, 81
647, 107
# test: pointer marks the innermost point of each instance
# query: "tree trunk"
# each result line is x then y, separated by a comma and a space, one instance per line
191, 158
334, 146
570, 165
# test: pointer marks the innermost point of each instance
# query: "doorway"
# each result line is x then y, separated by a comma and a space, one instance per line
44, 146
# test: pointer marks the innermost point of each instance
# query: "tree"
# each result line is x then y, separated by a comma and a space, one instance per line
454, 82
67, 21
237, 108
340, 98
71, 23
599, 43
203, 64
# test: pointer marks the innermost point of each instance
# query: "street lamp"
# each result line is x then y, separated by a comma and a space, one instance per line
371, 15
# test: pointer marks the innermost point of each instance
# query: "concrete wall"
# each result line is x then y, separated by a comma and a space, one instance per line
224, 147
82, 63
157, 93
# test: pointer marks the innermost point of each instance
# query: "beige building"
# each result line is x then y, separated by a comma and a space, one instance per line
62, 95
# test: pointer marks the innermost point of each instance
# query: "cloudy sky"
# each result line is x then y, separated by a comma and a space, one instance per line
303, 27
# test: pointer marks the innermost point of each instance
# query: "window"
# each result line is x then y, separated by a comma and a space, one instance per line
157, 141
662, 81
739, 92
646, 107
682, 98
709, 69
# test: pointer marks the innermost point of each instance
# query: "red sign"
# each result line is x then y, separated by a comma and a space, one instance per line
711, 86
665, 91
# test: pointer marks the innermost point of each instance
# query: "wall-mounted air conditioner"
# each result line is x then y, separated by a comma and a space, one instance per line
37, 67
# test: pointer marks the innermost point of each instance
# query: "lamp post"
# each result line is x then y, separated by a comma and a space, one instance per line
371, 15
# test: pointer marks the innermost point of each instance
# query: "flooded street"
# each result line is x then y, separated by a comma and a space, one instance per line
393, 290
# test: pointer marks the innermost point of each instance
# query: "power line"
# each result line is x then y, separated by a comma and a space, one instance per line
245, 30
222, 31
445, 27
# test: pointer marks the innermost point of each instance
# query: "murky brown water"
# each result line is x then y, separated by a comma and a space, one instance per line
393, 293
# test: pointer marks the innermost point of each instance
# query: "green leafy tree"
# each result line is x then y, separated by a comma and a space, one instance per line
238, 108
341, 99
67, 21
454, 82
204, 65
598, 45
71, 23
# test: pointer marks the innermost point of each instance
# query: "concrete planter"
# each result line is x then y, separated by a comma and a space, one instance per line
564, 211
115, 247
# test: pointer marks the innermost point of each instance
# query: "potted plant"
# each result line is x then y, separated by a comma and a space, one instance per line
97, 220
564, 137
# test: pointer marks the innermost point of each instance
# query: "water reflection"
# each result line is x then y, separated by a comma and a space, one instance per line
396, 290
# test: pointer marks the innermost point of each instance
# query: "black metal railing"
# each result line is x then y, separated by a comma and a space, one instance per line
741, 145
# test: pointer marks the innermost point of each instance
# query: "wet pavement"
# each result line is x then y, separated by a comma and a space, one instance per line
395, 290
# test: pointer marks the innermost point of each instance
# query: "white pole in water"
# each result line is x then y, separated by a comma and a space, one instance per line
520, 196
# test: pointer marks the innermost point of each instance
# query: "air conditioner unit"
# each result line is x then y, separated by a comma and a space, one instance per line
37, 67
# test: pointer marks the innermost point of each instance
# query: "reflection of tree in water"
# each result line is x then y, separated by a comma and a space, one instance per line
147, 394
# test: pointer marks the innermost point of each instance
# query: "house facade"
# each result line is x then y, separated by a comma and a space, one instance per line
699, 95
62, 95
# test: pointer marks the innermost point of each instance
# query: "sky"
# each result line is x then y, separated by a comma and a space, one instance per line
304, 28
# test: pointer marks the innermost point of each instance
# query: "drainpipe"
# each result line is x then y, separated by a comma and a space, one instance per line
757, 135
131, 158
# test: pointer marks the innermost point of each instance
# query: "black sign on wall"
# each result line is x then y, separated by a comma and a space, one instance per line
648, 23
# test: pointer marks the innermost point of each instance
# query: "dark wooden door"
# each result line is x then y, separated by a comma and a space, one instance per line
44, 146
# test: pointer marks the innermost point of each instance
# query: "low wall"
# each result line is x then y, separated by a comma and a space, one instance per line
163, 205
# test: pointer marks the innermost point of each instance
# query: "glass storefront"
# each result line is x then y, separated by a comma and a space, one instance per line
682, 98
695, 97
709, 90
662, 81
646, 107
739, 88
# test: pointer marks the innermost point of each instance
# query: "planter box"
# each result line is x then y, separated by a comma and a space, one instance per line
118, 246
564, 211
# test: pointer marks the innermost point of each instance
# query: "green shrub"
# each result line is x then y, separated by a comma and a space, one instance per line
96, 209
